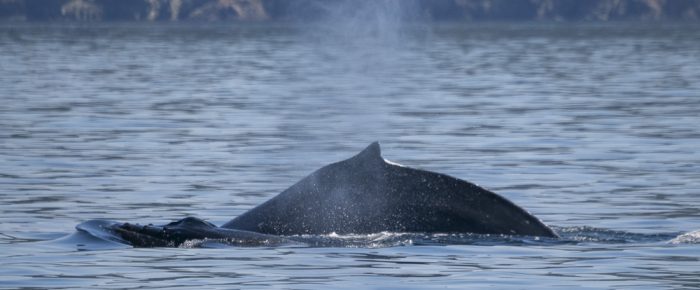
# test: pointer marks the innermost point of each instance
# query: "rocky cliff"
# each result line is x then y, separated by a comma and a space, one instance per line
302, 10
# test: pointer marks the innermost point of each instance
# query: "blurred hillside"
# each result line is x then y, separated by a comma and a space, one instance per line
303, 10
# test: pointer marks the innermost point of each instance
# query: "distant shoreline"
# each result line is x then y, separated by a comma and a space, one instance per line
311, 10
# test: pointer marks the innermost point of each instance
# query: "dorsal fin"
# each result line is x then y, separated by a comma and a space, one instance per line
372, 152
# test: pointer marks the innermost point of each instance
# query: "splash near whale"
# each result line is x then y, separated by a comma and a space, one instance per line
364, 194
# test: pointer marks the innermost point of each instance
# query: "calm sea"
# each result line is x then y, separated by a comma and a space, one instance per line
594, 128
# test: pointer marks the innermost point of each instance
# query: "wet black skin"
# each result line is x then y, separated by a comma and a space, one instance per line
175, 234
361, 195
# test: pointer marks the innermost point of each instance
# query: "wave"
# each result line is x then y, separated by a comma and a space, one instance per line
687, 238
99, 235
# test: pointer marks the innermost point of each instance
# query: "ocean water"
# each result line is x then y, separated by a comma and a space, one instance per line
593, 128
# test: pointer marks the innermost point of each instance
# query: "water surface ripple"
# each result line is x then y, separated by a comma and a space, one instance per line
593, 128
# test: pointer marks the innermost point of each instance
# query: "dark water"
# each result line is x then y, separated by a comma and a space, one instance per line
592, 128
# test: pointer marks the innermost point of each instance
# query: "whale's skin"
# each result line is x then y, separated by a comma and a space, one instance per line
367, 194
361, 195
176, 234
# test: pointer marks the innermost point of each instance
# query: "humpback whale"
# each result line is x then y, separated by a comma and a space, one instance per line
363, 194
368, 194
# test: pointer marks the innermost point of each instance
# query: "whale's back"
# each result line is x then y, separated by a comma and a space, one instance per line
367, 194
